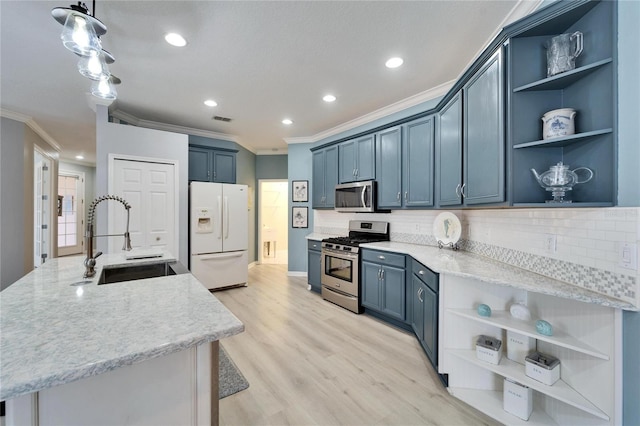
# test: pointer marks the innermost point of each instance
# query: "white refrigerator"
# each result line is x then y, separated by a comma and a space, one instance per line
218, 235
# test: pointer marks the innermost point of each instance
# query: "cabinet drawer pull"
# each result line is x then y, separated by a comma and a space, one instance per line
381, 257
421, 272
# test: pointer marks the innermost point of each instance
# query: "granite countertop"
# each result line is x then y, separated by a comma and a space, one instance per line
469, 265
57, 327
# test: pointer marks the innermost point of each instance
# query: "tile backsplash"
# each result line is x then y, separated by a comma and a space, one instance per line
588, 241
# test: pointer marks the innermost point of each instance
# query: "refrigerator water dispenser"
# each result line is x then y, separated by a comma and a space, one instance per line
204, 220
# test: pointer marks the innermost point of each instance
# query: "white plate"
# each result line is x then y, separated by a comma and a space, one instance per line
447, 228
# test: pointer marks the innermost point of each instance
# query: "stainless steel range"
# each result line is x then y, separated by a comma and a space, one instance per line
340, 262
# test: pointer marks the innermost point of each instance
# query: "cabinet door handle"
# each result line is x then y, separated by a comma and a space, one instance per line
458, 190
462, 189
406, 195
382, 275
398, 197
353, 172
420, 291
379, 274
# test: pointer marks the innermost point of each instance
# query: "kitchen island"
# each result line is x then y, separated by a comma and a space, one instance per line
135, 352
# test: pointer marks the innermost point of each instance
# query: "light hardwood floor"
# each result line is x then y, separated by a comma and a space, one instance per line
309, 362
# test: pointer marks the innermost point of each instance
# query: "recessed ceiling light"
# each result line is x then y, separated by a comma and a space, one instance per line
329, 98
79, 157
210, 103
287, 121
394, 62
175, 39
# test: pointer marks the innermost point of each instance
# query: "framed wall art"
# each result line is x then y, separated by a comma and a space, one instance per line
299, 216
300, 190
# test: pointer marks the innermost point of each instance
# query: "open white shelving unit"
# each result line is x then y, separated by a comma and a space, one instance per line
586, 338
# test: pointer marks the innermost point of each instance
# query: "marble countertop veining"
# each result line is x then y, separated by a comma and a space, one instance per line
469, 265
54, 329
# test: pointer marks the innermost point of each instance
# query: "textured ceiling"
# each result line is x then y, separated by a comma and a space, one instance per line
261, 61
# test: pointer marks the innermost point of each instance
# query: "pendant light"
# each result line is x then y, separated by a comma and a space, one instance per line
81, 34
95, 66
104, 89
81, 30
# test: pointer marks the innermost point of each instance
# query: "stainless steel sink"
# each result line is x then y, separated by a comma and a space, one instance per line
139, 272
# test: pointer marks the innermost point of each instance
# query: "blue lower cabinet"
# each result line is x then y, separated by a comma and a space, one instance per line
384, 283
424, 309
313, 265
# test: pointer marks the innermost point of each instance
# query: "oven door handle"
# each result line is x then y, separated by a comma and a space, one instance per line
341, 255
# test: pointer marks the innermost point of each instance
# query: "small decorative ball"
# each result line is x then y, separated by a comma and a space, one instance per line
520, 311
544, 328
484, 310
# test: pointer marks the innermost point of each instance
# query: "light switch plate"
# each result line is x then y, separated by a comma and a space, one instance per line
628, 255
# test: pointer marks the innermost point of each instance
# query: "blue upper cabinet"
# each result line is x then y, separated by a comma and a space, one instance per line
470, 148
449, 153
357, 159
211, 165
418, 163
483, 135
404, 165
389, 167
325, 177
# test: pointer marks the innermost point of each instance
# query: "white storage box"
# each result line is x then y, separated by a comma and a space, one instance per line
517, 399
519, 346
543, 368
489, 349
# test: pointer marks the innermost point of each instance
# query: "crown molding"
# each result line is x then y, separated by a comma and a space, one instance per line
274, 151
519, 11
121, 115
29, 121
401, 105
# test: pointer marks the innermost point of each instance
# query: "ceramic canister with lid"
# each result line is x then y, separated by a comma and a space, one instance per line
559, 122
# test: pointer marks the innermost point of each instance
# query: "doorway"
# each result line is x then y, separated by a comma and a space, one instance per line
42, 207
149, 186
273, 217
70, 212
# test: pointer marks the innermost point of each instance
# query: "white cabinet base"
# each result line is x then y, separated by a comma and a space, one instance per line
180, 388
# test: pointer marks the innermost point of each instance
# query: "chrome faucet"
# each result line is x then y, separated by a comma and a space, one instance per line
90, 260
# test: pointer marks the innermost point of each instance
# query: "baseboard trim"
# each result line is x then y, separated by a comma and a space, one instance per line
296, 273
252, 264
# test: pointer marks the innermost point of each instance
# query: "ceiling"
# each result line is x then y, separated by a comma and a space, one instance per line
261, 61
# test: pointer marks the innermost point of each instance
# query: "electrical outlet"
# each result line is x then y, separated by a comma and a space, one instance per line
550, 243
628, 256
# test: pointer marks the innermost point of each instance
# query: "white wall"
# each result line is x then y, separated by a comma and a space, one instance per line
121, 139
588, 240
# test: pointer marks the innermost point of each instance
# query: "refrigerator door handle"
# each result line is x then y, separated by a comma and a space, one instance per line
226, 217
221, 256
220, 216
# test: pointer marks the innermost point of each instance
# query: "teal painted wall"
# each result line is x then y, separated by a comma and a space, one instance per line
271, 167
299, 168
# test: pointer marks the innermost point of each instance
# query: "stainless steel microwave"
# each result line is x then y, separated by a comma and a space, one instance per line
356, 197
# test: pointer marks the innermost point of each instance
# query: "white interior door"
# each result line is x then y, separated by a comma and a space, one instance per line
150, 189
70, 212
